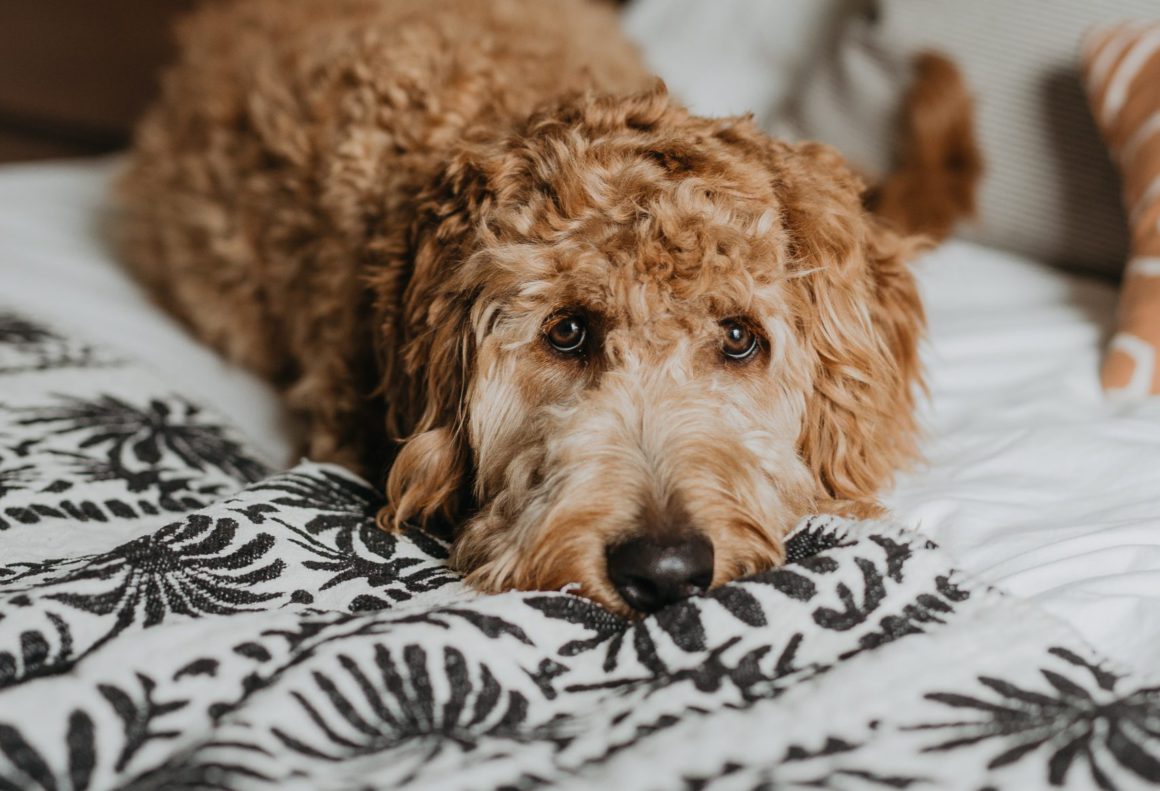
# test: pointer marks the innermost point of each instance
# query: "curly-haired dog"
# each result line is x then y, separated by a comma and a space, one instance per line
615, 344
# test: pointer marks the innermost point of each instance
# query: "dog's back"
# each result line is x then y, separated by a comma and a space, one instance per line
290, 134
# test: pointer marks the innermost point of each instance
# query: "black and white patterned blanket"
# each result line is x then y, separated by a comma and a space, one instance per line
174, 616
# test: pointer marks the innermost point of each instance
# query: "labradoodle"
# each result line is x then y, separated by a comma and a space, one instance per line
489, 260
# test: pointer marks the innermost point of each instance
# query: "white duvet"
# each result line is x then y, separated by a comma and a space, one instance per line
1033, 480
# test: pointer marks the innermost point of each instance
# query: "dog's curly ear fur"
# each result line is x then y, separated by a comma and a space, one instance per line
862, 318
426, 344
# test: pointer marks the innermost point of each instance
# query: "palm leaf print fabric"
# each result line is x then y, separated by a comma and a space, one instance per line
175, 615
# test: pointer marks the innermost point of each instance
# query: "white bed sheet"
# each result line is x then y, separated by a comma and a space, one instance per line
56, 263
1033, 480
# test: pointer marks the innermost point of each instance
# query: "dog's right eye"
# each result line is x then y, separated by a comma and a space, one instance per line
740, 342
566, 334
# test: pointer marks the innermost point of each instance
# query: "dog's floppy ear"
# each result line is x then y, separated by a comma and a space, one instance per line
861, 317
426, 347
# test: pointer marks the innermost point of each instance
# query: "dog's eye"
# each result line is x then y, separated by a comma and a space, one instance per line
740, 342
567, 334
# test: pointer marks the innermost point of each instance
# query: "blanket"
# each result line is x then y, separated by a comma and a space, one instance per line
175, 614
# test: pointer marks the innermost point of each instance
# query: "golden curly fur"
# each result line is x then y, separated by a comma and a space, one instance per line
385, 205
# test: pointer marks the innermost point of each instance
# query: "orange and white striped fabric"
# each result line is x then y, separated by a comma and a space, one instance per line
1121, 67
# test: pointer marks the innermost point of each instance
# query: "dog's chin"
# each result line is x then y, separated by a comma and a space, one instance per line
538, 551
581, 576
570, 556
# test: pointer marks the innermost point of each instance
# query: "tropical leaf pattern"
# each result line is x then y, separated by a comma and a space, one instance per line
173, 616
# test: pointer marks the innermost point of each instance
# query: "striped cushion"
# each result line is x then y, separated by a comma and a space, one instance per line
1121, 67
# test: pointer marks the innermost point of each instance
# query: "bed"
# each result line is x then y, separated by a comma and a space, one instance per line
1032, 480
1029, 537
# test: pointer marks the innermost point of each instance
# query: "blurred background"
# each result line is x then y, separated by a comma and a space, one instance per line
74, 74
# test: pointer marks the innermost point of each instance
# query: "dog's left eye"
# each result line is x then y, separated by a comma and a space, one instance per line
740, 342
567, 334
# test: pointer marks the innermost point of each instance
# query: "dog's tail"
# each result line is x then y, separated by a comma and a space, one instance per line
936, 181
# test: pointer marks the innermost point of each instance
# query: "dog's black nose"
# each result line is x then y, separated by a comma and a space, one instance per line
652, 573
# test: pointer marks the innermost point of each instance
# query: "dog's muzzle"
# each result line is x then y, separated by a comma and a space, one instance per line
652, 573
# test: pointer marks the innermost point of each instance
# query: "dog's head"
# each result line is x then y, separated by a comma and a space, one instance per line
638, 345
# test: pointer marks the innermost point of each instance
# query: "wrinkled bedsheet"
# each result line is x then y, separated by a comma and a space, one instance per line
175, 615
1032, 480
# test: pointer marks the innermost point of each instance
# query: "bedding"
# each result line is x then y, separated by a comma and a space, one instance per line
55, 263
173, 615
1032, 480
1034, 484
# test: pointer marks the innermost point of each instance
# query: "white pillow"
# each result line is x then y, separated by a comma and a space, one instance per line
728, 57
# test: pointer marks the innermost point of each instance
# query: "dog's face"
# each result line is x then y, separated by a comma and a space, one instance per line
640, 345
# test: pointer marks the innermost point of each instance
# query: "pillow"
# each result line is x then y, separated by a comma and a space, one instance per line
1121, 67
728, 57
1048, 191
